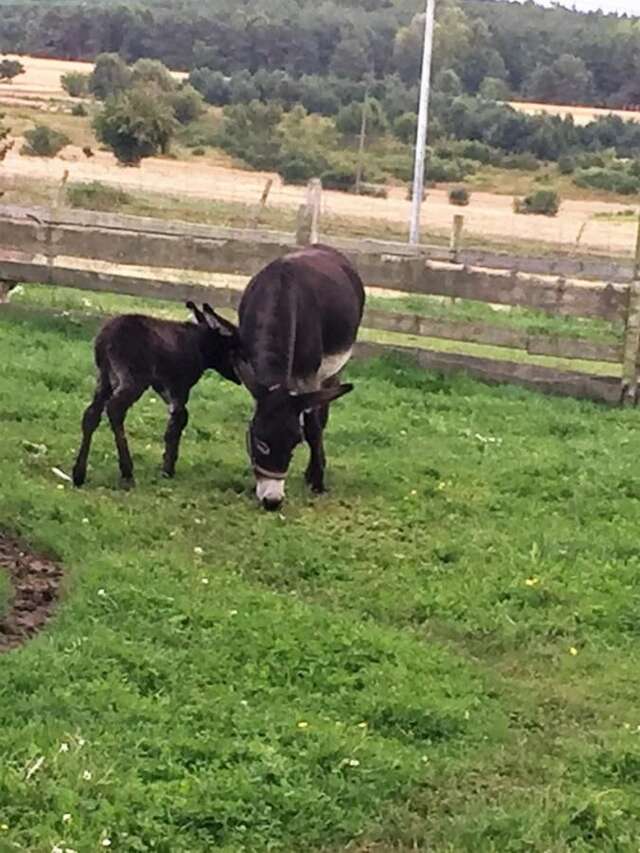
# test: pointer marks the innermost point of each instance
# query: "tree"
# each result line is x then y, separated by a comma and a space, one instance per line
10, 68
567, 80
187, 104
212, 85
75, 83
493, 89
349, 119
136, 124
352, 57
405, 128
152, 71
43, 141
250, 131
110, 76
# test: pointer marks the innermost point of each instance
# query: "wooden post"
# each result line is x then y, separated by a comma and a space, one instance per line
262, 203
456, 235
304, 225
629, 390
59, 200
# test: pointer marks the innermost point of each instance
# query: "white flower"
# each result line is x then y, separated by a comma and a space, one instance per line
101, 593
353, 762
198, 551
66, 818
81, 742
56, 849
233, 613
85, 521
106, 842
87, 776
64, 747
205, 581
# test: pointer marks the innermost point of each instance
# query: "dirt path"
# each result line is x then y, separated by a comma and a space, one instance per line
36, 586
488, 214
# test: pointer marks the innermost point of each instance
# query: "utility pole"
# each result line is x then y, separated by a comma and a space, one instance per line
423, 121
363, 136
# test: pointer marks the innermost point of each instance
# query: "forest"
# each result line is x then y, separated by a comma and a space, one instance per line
488, 47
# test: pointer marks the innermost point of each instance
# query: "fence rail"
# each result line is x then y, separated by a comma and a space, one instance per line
63, 247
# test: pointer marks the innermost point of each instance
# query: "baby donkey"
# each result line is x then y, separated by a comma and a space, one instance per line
135, 352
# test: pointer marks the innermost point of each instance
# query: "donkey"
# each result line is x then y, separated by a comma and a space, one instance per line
298, 321
134, 352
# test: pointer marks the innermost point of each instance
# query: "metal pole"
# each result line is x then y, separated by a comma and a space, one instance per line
423, 120
363, 136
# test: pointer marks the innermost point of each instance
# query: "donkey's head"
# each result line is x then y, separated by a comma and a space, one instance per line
275, 431
220, 343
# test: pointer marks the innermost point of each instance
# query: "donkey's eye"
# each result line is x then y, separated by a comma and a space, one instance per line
263, 448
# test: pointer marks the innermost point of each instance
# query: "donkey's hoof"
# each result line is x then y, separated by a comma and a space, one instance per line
168, 475
78, 478
127, 483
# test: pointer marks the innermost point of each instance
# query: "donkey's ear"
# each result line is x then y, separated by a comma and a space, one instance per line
306, 402
197, 313
218, 323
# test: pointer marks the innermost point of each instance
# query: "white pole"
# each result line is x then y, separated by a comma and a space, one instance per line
423, 121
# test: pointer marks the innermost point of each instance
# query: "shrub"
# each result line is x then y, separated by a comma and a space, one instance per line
212, 85
448, 170
43, 141
340, 176
526, 161
154, 72
110, 76
459, 196
79, 110
349, 119
199, 151
374, 190
405, 128
187, 104
96, 196
566, 165
75, 83
610, 179
137, 124
301, 167
540, 202
10, 68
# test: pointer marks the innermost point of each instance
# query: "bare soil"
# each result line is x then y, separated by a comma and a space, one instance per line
36, 584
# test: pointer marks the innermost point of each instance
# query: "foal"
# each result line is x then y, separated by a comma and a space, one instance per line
135, 352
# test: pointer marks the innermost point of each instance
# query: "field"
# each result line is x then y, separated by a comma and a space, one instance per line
581, 115
441, 654
587, 220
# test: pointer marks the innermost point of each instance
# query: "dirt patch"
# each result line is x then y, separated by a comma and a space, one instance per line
35, 582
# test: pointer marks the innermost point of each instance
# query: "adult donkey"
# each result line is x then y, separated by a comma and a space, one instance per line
298, 321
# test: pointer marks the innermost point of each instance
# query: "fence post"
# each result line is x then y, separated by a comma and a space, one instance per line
5, 289
309, 214
263, 202
629, 391
456, 235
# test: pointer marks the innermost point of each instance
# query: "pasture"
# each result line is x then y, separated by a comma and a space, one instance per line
440, 654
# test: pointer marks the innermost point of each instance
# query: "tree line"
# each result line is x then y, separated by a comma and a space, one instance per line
492, 47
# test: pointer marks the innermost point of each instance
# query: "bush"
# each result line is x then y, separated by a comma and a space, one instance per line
43, 141
349, 119
187, 104
154, 72
540, 202
613, 180
374, 190
301, 167
449, 171
212, 85
566, 165
137, 124
459, 196
526, 162
96, 196
199, 152
405, 128
10, 68
110, 76
79, 110
75, 83
340, 176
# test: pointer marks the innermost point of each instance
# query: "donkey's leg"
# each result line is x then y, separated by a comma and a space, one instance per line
178, 419
314, 424
117, 407
90, 423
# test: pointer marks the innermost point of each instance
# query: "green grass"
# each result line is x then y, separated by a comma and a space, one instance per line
5, 591
390, 667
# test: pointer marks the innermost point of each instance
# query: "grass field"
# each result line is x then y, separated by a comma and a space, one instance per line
441, 654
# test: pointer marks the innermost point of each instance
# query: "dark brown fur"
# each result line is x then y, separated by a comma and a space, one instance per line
135, 352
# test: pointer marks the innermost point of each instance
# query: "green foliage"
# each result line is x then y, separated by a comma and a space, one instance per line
79, 110
615, 180
110, 76
405, 128
459, 196
43, 141
341, 175
249, 131
540, 202
567, 80
212, 85
154, 73
96, 196
349, 119
494, 89
567, 164
187, 104
449, 170
137, 124
10, 69
75, 83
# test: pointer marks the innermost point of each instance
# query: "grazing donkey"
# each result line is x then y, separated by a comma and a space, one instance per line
135, 352
299, 318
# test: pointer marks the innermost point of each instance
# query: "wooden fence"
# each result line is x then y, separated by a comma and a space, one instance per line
100, 252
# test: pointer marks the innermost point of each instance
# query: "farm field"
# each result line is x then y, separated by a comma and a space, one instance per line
440, 654
586, 220
581, 115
